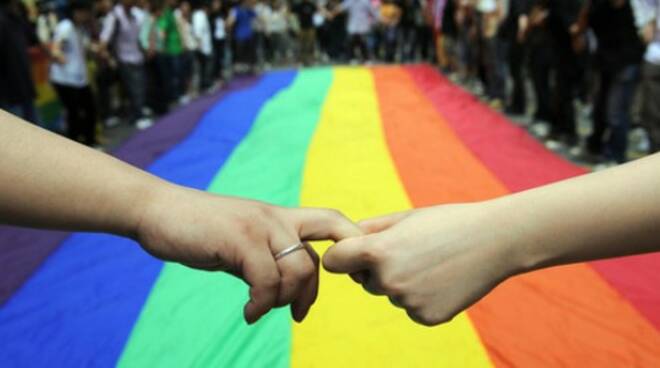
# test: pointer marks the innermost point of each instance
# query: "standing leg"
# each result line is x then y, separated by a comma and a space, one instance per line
650, 105
618, 111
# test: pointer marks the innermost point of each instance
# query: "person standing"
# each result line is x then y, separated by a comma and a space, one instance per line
120, 35
219, 32
618, 59
510, 33
241, 20
183, 16
201, 28
305, 11
166, 25
647, 13
17, 92
361, 15
68, 74
490, 13
278, 28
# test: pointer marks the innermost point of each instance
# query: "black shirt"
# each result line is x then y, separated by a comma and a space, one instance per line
305, 12
618, 42
517, 8
16, 85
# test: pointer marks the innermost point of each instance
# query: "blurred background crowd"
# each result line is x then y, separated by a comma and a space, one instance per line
582, 75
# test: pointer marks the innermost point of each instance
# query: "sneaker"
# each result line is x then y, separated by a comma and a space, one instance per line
540, 129
605, 165
185, 99
555, 145
111, 122
144, 123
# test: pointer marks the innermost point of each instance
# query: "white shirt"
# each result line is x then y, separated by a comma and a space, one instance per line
73, 72
361, 14
277, 22
202, 31
220, 31
647, 11
263, 14
185, 31
486, 6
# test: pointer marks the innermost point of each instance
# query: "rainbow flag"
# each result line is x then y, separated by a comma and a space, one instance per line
367, 141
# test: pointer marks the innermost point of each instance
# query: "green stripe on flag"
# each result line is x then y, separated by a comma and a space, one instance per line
194, 318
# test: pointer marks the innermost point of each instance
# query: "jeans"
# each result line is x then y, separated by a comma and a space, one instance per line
495, 67
651, 103
612, 119
25, 111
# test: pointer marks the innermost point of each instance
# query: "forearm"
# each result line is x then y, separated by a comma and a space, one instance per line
601, 215
50, 182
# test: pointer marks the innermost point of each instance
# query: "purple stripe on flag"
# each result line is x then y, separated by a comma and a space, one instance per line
23, 250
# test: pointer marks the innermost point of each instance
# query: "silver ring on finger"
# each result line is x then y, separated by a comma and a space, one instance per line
289, 250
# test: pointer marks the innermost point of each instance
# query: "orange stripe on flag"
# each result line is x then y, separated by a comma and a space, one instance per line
561, 316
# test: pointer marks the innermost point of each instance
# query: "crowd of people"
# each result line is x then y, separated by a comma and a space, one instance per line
595, 53
151, 55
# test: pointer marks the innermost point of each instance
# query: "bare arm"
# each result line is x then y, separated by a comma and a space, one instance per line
47, 181
436, 262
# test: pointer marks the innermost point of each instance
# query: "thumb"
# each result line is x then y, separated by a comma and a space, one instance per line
351, 255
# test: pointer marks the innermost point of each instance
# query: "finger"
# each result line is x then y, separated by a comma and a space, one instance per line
261, 272
373, 286
378, 224
296, 269
360, 277
351, 255
307, 297
396, 302
322, 224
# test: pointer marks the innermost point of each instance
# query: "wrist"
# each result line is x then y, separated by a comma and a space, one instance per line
515, 235
144, 202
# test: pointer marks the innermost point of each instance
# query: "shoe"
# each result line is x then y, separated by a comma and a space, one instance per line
111, 122
144, 123
555, 145
496, 104
604, 166
540, 129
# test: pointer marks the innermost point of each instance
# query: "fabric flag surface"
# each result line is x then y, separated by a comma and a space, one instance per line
364, 140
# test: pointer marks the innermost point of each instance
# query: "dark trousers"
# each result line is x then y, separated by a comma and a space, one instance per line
494, 67
650, 113
156, 85
78, 103
517, 56
540, 67
358, 41
612, 115
567, 78
218, 58
25, 111
134, 81
205, 63
171, 67
106, 78
307, 42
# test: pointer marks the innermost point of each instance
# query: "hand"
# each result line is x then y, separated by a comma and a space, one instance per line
432, 262
215, 233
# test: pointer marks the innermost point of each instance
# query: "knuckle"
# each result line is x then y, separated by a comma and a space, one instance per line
305, 271
392, 287
270, 283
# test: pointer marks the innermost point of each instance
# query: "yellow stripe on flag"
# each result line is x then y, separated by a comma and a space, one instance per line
349, 168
